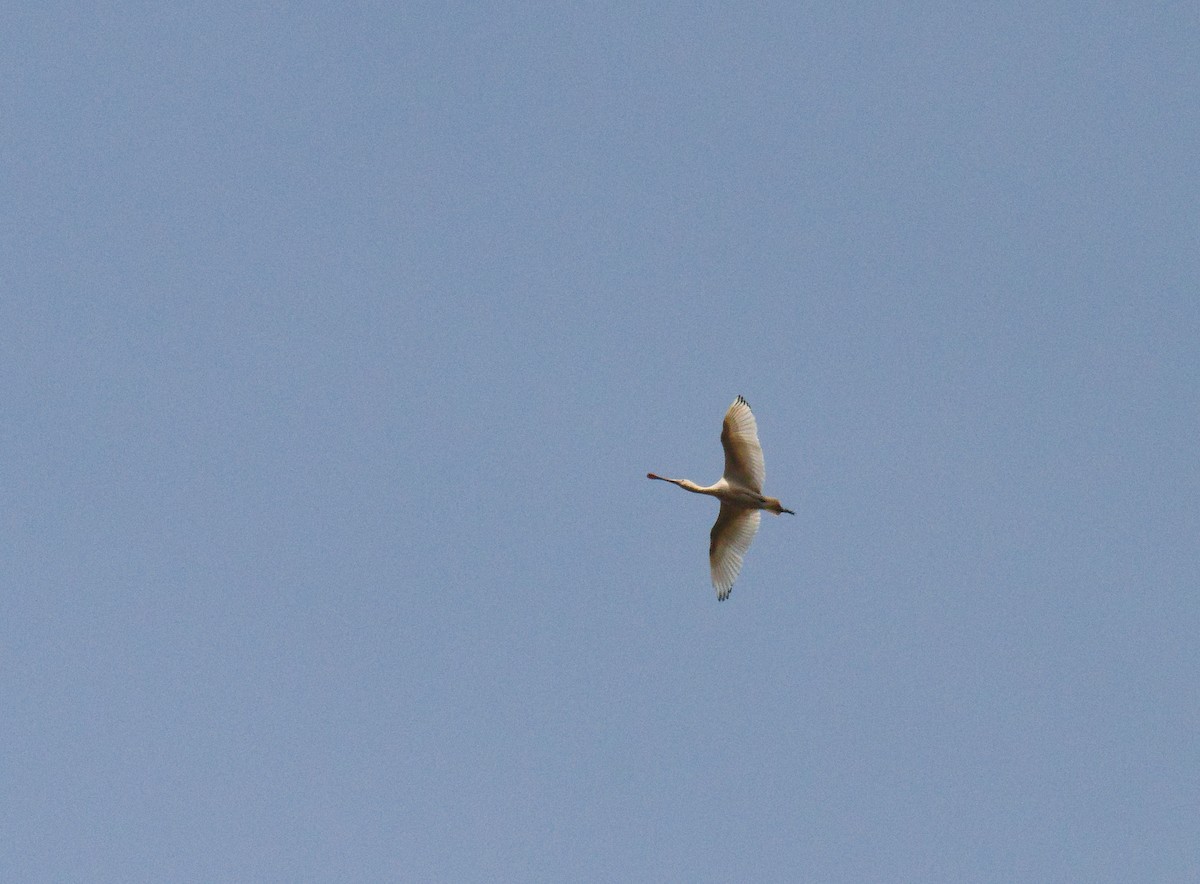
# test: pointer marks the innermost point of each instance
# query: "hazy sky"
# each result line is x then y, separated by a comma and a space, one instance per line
336, 341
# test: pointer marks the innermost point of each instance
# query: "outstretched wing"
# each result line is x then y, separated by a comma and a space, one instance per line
730, 538
743, 454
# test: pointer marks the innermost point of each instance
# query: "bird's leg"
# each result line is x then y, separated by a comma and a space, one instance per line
679, 482
685, 484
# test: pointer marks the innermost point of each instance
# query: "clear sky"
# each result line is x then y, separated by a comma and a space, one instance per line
336, 341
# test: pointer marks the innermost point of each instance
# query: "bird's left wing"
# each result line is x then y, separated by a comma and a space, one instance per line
743, 455
730, 538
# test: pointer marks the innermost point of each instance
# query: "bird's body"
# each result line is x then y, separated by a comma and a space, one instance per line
740, 493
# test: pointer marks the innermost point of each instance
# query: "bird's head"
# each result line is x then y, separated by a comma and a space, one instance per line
773, 505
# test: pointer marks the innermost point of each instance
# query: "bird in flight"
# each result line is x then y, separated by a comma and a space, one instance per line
740, 493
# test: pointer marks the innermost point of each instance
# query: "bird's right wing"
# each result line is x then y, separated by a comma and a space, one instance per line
730, 538
743, 454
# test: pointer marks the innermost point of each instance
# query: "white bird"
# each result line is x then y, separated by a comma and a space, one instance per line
740, 493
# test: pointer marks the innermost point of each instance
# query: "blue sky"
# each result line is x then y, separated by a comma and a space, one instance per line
336, 341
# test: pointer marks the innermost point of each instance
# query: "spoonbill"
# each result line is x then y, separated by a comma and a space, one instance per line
740, 493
